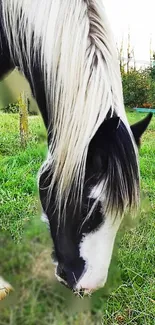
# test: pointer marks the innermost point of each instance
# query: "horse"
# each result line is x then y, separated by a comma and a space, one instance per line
90, 178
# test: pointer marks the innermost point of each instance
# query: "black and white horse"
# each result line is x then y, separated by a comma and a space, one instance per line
91, 175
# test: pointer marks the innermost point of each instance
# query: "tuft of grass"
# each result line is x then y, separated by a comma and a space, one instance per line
18, 170
129, 295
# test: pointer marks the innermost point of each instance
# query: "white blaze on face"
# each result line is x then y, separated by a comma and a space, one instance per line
96, 250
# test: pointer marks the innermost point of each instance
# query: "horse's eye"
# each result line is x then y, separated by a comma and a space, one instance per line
54, 258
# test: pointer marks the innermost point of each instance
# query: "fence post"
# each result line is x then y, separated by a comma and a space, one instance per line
23, 116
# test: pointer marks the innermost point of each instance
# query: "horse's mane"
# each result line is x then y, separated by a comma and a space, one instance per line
81, 77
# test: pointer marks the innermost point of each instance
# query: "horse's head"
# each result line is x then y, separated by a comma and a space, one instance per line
83, 242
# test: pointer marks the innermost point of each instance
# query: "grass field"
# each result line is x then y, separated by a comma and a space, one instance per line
25, 246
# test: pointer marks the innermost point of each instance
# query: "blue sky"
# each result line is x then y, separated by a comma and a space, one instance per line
137, 15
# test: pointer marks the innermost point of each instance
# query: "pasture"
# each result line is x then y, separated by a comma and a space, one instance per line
25, 246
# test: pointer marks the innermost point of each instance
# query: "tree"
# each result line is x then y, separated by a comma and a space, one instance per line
152, 68
136, 87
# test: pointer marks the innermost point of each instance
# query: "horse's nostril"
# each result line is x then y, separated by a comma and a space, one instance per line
69, 278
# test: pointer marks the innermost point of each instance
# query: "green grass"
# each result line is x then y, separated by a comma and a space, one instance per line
25, 245
18, 169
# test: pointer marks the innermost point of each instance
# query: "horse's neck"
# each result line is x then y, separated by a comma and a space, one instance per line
32, 73
6, 63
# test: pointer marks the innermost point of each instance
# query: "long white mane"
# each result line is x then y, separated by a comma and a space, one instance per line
81, 75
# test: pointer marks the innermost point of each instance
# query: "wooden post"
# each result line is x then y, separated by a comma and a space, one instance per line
23, 116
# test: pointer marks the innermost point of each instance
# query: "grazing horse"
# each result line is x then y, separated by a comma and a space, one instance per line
90, 178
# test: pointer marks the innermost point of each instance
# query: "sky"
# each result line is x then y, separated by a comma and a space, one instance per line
139, 16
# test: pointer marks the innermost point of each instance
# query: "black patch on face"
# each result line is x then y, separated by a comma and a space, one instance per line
68, 236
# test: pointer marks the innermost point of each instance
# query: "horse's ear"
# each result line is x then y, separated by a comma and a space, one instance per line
139, 128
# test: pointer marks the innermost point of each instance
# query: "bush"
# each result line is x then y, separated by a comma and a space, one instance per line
11, 108
136, 88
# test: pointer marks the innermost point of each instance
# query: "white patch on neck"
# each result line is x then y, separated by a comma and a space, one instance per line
96, 250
